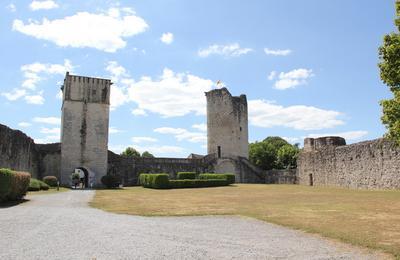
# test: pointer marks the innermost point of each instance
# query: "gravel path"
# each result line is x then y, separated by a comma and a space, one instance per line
62, 226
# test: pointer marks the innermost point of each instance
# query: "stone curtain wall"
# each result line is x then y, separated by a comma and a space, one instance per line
18, 151
130, 168
287, 176
366, 165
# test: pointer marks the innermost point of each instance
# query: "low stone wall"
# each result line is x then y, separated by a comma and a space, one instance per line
287, 176
367, 165
18, 151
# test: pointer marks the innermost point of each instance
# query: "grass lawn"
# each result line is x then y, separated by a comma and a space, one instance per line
50, 191
365, 218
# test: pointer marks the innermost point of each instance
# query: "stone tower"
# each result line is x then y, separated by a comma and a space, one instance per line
227, 124
84, 128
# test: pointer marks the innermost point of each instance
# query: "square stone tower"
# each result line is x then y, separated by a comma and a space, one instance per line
227, 124
84, 128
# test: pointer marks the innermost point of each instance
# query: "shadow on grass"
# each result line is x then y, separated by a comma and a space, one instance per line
9, 204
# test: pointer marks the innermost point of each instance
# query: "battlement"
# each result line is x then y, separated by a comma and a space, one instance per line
311, 144
86, 89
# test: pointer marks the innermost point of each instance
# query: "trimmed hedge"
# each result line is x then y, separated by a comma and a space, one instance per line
13, 185
178, 184
110, 181
230, 177
186, 175
51, 181
44, 186
155, 181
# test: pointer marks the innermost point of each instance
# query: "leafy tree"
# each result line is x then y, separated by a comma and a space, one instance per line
146, 154
389, 54
287, 156
273, 153
130, 152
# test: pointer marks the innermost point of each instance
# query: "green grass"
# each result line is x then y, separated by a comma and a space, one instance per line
49, 191
365, 218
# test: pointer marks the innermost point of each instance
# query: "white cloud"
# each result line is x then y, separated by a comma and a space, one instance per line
167, 38
182, 134
350, 135
104, 31
46, 5
24, 124
291, 79
37, 99
277, 52
47, 120
291, 140
14, 94
172, 94
11, 7
157, 150
300, 117
54, 131
143, 139
34, 73
48, 139
272, 75
114, 130
230, 50
139, 112
200, 127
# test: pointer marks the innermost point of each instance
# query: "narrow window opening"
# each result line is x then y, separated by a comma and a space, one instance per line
219, 151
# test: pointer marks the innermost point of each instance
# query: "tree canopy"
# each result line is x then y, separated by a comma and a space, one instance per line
389, 55
147, 154
131, 152
273, 153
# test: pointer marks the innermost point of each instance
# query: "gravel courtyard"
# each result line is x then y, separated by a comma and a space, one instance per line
63, 226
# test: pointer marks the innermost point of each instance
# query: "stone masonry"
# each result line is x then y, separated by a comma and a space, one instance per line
227, 126
84, 127
328, 161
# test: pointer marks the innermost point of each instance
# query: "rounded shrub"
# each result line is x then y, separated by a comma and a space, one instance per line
43, 185
13, 185
19, 185
34, 185
6, 176
110, 181
51, 181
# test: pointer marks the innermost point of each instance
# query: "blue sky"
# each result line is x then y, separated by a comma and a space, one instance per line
308, 68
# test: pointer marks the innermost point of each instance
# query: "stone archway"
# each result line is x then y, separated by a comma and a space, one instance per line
86, 176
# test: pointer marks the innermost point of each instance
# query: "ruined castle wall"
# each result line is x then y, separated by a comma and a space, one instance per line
130, 168
367, 165
18, 151
285, 176
50, 159
227, 124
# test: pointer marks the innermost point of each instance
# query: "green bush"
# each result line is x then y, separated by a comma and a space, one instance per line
154, 180
43, 185
51, 181
178, 184
186, 175
34, 185
13, 185
230, 177
111, 181
19, 185
6, 176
